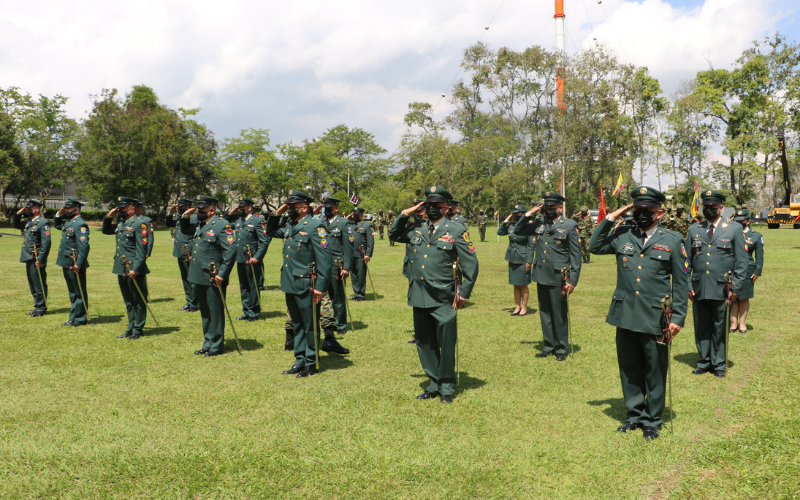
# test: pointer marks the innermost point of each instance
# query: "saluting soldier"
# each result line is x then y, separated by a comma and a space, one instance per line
257, 212
651, 265
133, 236
143, 219
434, 291
333, 318
182, 250
305, 249
716, 247
73, 257
557, 247
482, 225
363, 245
213, 257
754, 246
519, 255
420, 221
252, 243
35, 249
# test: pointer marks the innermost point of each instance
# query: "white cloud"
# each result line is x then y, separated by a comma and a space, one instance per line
301, 67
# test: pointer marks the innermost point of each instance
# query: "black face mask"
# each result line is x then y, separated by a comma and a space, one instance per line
434, 212
710, 214
293, 212
70, 214
679, 213
329, 214
515, 217
201, 216
644, 218
550, 213
358, 218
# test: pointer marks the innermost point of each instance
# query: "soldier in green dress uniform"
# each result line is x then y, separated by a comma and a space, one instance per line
716, 248
305, 242
252, 243
651, 265
334, 306
132, 235
73, 257
754, 246
420, 221
433, 289
257, 212
182, 250
143, 219
519, 255
35, 249
482, 219
213, 243
556, 248
363, 245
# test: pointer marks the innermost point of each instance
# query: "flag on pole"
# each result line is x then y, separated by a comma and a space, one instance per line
601, 214
620, 185
354, 199
696, 200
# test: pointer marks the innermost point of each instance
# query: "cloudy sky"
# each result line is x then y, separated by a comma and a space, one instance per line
300, 68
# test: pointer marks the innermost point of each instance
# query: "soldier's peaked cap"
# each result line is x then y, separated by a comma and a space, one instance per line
417, 201
453, 203
435, 194
34, 202
358, 210
184, 201
712, 197
124, 201
245, 202
297, 196
741, 214
552, 198
205, 201
72, 202
644, 196
330, 201
520, 208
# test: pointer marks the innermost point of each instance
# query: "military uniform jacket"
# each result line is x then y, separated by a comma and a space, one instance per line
710, 260
643, 276
36, 235
481, 221
143, 219
418, 224
340, 240
250, 231
74, 236
133, 236
754, 246
304, 242
520, 248
460, 219
213, 242
431, 268
556, 247
362, 235
182, 240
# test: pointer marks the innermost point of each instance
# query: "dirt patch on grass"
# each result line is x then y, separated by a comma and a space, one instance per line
660, 489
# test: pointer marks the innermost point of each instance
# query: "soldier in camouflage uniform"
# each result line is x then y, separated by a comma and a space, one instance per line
585, 228
380, 221
389, 221
481, 220
679, 221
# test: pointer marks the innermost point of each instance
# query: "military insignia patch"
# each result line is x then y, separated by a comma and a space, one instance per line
471, 247
350, 238
144, 240
84, 230
230, 239
144, 226
708, 193
321, 232
229, 230
433, 189
210, 233
302, 233
686, 266
683, 250
144, 232
643, 191
466, 236
47, 230
627, 247
323, 242
83, 238
662, 248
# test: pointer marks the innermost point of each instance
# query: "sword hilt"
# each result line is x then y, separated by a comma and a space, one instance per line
666, 316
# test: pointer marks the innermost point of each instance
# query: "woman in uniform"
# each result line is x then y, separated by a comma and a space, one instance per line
520, 257
754, 244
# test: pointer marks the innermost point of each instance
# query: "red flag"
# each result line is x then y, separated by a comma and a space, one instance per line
601, 214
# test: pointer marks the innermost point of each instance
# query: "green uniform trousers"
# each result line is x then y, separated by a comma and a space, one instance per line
38, 289
584, 247
436, 332
260, 275
643, 367
358, 274
299, 305
77, 312
248, 287
212, 311
188, 287
380, 230
334, 314
482, 231
134, 305
553, 311
709, 333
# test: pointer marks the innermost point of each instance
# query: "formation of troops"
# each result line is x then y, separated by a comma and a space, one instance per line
663, 259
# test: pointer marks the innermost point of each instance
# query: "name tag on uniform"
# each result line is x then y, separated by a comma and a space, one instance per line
627, 247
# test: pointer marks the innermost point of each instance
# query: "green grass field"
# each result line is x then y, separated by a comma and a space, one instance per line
85, 415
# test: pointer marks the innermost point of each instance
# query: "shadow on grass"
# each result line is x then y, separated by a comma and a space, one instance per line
531, 310
161, 330
272, 314
162, 299
690, 359
60, 310
538, 345
372, 296
334, 362
465, 382
357, 326
616, 408
247, 344
271, 288
104, 320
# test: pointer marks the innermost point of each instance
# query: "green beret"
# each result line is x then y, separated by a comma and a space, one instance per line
124, 201
72, 202
297, 196
435, 194
644, 196
520, 208
712, 197
551, 198
741, 214
205, 201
